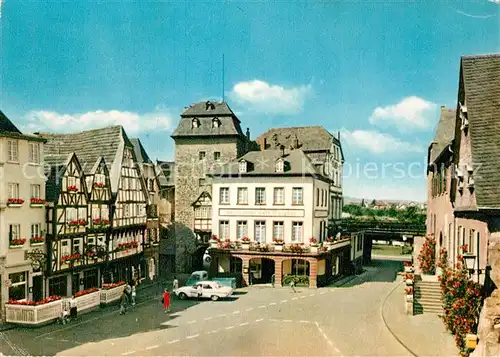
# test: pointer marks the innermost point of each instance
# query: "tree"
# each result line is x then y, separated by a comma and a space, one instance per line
373, 202
363, 202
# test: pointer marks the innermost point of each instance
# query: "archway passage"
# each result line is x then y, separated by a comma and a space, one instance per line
261, 270
296, 269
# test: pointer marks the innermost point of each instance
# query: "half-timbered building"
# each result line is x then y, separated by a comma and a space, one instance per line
110, 245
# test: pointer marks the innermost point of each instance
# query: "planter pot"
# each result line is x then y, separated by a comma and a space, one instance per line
16, 246
88, 301
33, 315
408, 269
111, 295
14, 205
213, 244
409, 282
245, 246
314, 248
409, 298
37, 205
37, 244
278, 247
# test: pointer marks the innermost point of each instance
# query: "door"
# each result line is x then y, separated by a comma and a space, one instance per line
37, 288
207, 291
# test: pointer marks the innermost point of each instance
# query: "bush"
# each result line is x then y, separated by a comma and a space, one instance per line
427, 256
299, 279
462, 300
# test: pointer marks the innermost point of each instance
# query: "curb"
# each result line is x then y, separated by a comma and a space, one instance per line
387, 325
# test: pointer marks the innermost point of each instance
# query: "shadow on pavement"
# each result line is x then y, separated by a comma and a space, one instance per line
379, 270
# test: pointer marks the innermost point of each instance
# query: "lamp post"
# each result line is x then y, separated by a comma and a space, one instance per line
470, 263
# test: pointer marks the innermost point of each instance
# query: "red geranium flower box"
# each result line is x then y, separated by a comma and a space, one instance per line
15, 201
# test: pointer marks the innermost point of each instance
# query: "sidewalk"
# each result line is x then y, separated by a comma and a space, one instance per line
145, 292
423, 335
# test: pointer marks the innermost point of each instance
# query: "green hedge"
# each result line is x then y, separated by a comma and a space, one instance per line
299, 279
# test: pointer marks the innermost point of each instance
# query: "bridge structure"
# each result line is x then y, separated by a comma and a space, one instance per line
372, 230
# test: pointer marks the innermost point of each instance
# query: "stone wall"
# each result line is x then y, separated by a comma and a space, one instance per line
189, 169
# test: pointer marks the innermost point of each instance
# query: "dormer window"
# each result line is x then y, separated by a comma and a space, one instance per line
215, 123
280, 165
243, 166
463, 116
209, 105
195, 123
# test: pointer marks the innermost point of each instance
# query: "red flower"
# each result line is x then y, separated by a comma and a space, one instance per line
85, 292
112, 285
72, 188
313, 240
15, 201
37, 240
98, 184
36, 201
18, 241
245, 239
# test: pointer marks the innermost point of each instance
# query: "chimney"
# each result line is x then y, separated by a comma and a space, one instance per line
282, 147
248, 133
338, 135
263, 144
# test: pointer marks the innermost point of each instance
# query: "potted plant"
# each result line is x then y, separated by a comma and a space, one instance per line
408, 267
409, 294
214, 240
98, 184
15, 202
313, 243
409, 279
37, 240
278, 244
245, 243
17, 243
36, 202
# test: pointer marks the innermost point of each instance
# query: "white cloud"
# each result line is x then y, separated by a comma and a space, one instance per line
410, 113
263, 97
133, 123
495, 1
377, 143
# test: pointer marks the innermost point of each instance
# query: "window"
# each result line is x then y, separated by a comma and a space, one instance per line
13, 150
13, 190
17, 289
202, 155
297, 232
470, 242
36, 230
242, 229
279, 196
201, 182
260, 196
242, 195
14, 231
215, 123
35, 191
195, 123
243, 167
359, 243
77, 245
297, 196
224, 195
278, 231
34, 153
217, 156
317, 197
322, 197
224, 229
260, 231
280, 165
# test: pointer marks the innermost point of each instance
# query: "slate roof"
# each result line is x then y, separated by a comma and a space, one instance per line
140, 153
54, 174
263, 163
229, 123
481, 80
445, 132
167, 172
88, 146
311, 138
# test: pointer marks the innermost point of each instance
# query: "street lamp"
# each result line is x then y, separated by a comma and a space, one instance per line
470, 263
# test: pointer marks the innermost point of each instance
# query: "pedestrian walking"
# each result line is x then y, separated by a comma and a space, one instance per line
166, 301
175, 284
73, 311
133, 292
292, 285
124, 302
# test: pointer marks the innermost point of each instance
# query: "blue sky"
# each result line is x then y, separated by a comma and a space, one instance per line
377, 71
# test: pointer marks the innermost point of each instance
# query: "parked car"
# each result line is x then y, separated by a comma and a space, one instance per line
210, 290
200, 275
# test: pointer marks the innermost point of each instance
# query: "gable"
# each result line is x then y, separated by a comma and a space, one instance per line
205, 199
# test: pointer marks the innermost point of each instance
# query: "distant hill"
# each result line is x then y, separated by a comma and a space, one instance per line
354, 200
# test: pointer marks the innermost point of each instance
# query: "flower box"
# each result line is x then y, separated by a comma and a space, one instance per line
72, 189
111, 292
36, 241
30, 313
278, 247
17, 243
409, 282
245, 245
87, 299
409, 269
15, 202
98, 185
314, 248
37, 202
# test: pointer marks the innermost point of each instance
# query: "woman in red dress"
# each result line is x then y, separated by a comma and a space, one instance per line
166, 300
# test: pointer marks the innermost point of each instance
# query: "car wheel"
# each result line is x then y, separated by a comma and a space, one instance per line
183, 296
215, 298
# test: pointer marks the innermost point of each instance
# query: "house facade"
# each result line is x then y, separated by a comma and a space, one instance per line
274, 199
325, 152
208, 135
22, 213
97, 210
473, 178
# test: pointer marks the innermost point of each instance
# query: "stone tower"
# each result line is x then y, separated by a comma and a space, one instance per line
208, 134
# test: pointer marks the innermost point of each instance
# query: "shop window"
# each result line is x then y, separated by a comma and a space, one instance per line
17, 290
90, 279
58, 286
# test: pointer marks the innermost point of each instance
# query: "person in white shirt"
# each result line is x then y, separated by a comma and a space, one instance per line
175, 283
199, 290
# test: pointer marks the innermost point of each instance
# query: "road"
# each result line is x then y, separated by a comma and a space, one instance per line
342, 321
